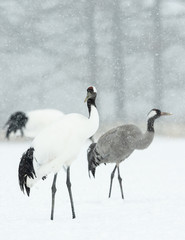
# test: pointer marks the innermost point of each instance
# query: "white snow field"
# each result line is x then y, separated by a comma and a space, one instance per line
153, 208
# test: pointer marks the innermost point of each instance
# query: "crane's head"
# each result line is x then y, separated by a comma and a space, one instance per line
91, 93
91, 159
17, 121
156, 113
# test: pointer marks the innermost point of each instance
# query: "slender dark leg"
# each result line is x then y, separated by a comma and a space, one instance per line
22, 134
120, 183
65, 169
53, 189
69, 190
111, 179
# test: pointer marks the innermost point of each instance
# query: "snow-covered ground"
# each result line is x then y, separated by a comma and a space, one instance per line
154, 205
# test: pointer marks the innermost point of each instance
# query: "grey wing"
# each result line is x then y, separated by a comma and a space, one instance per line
106, 144
130, 134
118, 143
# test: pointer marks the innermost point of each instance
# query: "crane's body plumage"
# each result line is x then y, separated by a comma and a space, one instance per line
118, 143
59, 143
39, 119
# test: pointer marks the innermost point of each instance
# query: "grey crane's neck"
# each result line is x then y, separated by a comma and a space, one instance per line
145, 140
90, 103
148, 136
150, 124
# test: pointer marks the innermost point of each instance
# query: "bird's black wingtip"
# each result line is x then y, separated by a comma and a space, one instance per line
93, 171
23, 187
89, 173
26, 170
27, 190
91, 160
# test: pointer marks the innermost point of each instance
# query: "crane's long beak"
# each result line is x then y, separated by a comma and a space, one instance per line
166, 114
88, 95
86, 98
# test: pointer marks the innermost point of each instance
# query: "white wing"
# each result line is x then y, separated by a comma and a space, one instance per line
39, 119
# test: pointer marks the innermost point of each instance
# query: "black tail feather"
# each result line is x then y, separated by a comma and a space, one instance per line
17, 121
92, 164
26, 169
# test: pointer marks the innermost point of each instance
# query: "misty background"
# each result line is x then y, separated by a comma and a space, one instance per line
132, 51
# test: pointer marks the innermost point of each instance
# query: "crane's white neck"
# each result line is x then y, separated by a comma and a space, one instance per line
93, 119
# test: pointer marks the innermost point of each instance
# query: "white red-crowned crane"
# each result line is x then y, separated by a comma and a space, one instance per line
30, 123
58, 145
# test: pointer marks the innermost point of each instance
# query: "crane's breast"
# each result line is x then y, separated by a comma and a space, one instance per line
61, 140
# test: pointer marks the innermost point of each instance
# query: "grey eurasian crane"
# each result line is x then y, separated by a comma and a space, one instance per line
118, 143
58, 145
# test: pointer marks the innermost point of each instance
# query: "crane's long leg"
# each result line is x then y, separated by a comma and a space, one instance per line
111, 180
53, 189
120, 183
22, 134
70, 193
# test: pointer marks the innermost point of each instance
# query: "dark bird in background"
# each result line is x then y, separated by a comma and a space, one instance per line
29, 124
118, 143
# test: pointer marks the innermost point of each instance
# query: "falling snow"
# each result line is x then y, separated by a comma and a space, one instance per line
134, 53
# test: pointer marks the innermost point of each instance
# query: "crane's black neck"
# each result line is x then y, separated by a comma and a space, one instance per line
90, 103
150, 125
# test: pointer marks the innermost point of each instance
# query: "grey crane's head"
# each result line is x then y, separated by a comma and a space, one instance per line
91, 93
91, 159
156, 113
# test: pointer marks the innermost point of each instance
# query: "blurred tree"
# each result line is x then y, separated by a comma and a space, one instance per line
133, 51
91, 41
157, 53
118, 58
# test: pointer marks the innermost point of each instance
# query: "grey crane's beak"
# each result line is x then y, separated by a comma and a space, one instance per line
166, 114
